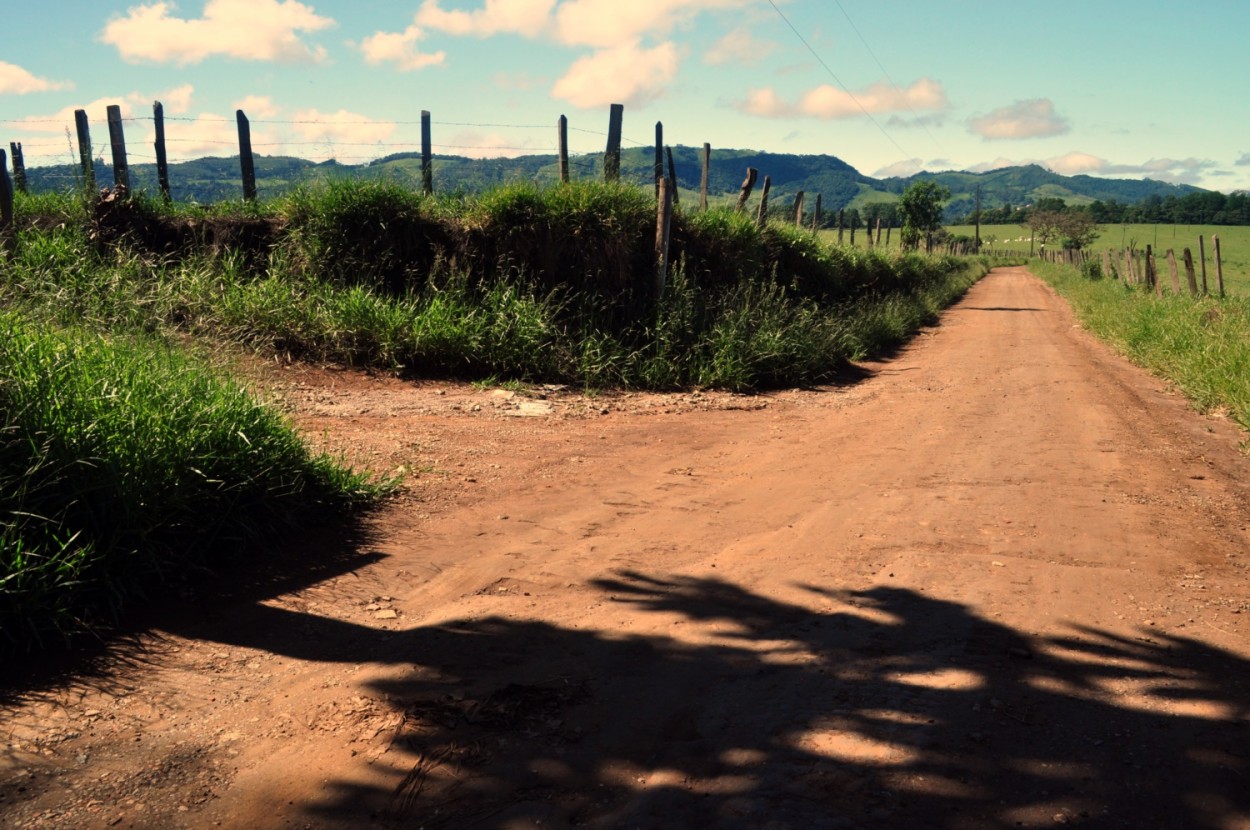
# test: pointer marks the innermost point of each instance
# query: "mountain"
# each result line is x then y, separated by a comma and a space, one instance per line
840, 185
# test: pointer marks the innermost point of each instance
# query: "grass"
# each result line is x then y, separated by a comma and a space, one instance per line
1203, 346
1234, 245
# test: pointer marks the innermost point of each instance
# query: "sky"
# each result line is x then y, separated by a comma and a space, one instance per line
1143, 89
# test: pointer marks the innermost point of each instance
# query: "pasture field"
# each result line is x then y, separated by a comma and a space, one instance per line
1234, 245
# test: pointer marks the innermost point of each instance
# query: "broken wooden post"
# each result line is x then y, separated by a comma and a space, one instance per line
762, 216
19, 167
612, 156
84, 151
562, 136
1152, 273
878, 239
663, 226
427, 155
707, 168
162, 160
247, 164
117, 139
1189, 273
747, 185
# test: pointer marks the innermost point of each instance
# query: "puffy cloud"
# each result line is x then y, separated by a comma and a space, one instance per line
259, 30
739, 47
14, 80
609, 23
400, 49
340, 129
1034, 118
257, 107
523, 17
629, 74
1175, 171
900, 169
828, 102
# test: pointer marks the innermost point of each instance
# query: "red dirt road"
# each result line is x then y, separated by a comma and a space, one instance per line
1001, 582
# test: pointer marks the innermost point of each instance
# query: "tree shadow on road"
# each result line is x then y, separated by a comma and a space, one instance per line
881, 708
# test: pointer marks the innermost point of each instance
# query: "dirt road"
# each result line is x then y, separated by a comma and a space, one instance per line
1000, 582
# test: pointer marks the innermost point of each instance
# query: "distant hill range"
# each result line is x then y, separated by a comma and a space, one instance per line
210, 180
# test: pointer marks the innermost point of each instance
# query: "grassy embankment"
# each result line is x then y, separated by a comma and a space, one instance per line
126, 462
1203, 345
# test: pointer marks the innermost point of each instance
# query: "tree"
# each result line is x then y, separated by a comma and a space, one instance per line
1078, 229
920, 207
1046, 225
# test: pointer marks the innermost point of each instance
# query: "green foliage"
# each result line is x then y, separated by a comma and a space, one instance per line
920, 207
122, 464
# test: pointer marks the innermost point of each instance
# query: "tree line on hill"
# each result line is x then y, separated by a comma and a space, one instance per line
1198, 208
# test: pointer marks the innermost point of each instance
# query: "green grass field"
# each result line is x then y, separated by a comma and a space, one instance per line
1234, 245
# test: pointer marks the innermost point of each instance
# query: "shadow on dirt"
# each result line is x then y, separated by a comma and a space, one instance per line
884, 708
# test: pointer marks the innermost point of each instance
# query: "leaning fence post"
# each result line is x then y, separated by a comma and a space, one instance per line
117, 138
84, 151
612, 156
427, 155
663, 225
562, 136
1189, 273
1202, 256
762, 216
1152, 273
1219, 266
816, 215
19, 167
707, 167
162, 161
247, 165
6, 199
798, 209
1176, 283
747, 185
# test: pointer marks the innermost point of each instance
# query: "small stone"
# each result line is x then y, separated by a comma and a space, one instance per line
386, 614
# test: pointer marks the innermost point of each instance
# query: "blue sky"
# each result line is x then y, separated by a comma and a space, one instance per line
1108, 88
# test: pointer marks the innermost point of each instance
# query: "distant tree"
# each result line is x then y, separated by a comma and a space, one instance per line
1045, 225
920, 208
1077, 229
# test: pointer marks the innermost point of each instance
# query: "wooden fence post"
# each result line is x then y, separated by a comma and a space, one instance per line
841, 223
162, 160
854, 223
798, 209
19, 167
816, 215
84, 151
1219, 266
612, 156
6, 199
707, 169
1202, 256
1152, 273
747, 185
427, 155
672, 174
761, 218
1189, 273
1176, 283
562, 138
663, 225
888, 227
117, 138
659, 156
1107, 267
247, 164
878, 239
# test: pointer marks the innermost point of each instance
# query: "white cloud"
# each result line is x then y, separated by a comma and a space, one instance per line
259, 30
478, 145
630, 74
345, 135
1035, 118
1175, 171
523, 17
257, 107
611, 23
739, 47
828, 102
14, 80
901, 169
400, 49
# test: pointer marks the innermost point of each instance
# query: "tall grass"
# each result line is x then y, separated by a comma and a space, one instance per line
123, 464
1201, 345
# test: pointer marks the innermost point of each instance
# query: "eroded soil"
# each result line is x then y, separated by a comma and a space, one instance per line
1000, 582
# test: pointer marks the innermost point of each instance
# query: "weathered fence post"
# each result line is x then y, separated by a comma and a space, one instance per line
247, 164
162, 160
1202, 256
707, 169
816, 215
1219, 266
562, 138
748, 185
1189, 273
888, 227
672, 174
19, 167
612, 156
761, 218
798, 209
659, 156
1176, 283
1152, 273
6, 199
1107, 267
841, 223
877, 241
663, 225
84, 151
854, 224
117, 138
427, 155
